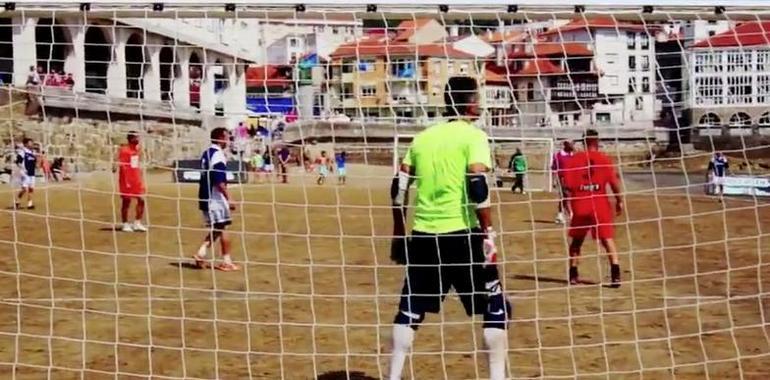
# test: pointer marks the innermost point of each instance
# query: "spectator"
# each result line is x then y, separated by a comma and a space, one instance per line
33, 77
58, 170
268, 161
518, 166
46, 166
283, 163
258, 165
341, 160
69, 82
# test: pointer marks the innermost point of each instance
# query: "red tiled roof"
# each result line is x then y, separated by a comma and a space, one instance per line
268, 75
595, 23
538, 66
406, 29
381, 47
747, 34
561, 49
495, 74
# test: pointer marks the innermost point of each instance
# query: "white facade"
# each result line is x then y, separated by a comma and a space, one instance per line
625, 64
698, 30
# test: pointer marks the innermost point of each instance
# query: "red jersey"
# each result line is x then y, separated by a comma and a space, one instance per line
587, 176
129, 172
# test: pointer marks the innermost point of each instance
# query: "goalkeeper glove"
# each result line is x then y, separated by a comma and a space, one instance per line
490, 248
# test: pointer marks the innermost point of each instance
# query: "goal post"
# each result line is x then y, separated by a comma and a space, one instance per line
538, 152
678, 91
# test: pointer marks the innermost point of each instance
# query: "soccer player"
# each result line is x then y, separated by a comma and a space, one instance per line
214, 200
587, 175
26, 161
130, 183
324, 165
518, 166
717, 170
341, 159
452, 243
558, 164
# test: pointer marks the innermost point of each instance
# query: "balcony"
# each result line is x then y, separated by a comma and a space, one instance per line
408, 99
564, 89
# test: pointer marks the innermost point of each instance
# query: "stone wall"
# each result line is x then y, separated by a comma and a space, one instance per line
92, 144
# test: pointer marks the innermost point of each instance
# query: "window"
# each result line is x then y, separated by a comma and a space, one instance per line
645, 62
437, 67
463, 68
708, 91
402, 68
631, 84
603, 118
639, 103
347, 91
632, 62
645, 41
708, 62
450, 67
739, 90
631, 40
740, 119
612, 79
530, 91
612, 58
645, 84
738, 61
763, 61
709, 120
764, 120
763, 89
368, 91
335, 30
366, 65
347, 66
712, 33
293, 42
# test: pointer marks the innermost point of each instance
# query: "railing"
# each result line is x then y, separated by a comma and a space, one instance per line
67, 99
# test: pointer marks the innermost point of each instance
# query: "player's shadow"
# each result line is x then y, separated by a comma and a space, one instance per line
344, 375
540, 221
552, 280
110, 229
185, 265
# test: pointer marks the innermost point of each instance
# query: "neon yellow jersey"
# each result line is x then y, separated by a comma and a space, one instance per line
440, 156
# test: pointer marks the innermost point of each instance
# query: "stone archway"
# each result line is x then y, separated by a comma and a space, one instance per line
6, 50
98, 55
136, 60
196, 79
52, 45
167, 72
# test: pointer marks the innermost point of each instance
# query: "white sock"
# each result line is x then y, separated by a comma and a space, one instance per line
203, 250
227, 259
403, 336
29, 203
496, 341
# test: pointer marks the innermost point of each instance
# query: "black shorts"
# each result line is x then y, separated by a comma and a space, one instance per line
437, 263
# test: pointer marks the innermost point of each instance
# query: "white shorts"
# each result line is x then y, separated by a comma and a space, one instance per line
27, 181
217, 216
268, 168
717, 180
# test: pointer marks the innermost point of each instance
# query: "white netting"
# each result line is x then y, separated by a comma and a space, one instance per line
317, 292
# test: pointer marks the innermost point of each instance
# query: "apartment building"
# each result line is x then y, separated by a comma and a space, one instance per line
398, 77
591, 71
729, 79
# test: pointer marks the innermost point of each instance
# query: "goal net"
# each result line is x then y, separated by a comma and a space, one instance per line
320, 101
537, 153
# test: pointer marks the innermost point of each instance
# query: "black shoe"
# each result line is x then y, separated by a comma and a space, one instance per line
31, 207
615, 275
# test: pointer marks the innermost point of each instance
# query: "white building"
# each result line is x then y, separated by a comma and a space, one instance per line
729, 79
588, 71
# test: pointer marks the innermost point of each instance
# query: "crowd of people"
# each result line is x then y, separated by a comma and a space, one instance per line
264, 163
53, 78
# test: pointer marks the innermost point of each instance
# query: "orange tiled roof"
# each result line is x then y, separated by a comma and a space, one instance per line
538, 66
747, 34
495, 74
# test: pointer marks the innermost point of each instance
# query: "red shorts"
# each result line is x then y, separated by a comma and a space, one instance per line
132, 190
599, 223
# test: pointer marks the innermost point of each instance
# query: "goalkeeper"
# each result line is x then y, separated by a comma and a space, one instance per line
452, 242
